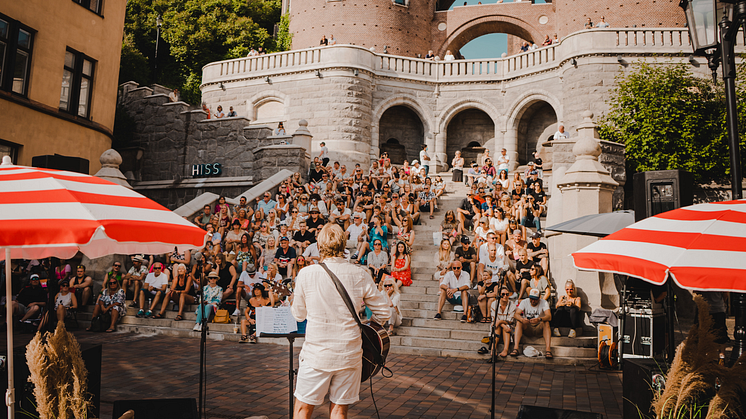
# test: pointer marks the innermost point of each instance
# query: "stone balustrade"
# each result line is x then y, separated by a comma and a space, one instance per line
612, 41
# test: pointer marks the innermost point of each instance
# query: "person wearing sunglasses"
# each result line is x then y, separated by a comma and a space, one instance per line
64, 301
378, 261
153, 288
454, 288
111, 301
391, 291
504, 311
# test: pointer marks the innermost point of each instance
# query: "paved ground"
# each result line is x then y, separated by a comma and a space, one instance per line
248, 380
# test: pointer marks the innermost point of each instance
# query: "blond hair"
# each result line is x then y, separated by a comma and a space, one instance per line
331, 241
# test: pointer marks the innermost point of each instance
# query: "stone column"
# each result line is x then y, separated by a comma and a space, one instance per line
510, 143
302, 137
375, 146
430, 141
440, 158
586, 188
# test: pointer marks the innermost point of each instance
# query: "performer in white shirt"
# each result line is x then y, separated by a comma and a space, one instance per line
331, 358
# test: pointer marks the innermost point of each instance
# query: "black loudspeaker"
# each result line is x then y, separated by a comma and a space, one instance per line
641, 377
24, 390
644, 335
535, 412
660, 191
60, 162
158, 408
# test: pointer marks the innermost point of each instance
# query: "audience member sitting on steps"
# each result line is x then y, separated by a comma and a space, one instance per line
401, 265
378, 261
391, 291
487, 294
211, 295
568, 312
111, 301
443, 259
454, 287
154, 287
135, 276
31, 300
450, 228
467, 256
539, 281
260, 298
64, 301
82, 286
538, 252
532, 319
504, 309
181, 292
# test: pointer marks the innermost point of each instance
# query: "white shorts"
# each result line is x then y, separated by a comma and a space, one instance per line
312, 385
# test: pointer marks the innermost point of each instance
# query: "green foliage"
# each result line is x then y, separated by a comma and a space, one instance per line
669, 119
284, 37
124, 128
194, 33
134, 65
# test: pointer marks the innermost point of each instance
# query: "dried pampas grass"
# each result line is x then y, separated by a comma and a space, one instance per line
694, 368
59, 375
727, 402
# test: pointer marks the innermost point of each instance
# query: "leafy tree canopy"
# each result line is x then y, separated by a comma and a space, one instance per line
194, 33
670, 119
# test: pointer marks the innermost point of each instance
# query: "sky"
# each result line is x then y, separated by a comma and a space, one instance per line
486, 46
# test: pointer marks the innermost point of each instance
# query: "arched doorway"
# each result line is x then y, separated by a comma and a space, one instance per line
468, 132
531, 127
403, 125
515, 28
395, 150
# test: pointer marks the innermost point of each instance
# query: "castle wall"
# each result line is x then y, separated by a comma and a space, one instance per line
650, 14
369, 24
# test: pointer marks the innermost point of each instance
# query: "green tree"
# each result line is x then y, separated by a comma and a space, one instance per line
668, 119
195, 33
284, 36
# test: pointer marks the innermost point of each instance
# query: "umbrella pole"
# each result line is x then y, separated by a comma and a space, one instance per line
10, 394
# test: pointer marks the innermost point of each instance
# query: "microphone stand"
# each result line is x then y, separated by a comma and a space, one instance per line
493, 338
202, 349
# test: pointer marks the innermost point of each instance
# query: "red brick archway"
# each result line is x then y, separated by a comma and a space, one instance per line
486, 25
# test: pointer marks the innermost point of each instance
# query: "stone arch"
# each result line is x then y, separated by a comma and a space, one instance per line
484, 25
528, 120
264, 98
408, 101
454, 108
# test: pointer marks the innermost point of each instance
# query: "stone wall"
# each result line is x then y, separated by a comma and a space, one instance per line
471, 125
403, 125
169, 138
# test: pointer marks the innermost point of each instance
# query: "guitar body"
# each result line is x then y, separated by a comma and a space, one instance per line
376, 345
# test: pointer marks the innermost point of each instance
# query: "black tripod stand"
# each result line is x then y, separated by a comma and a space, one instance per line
292, 372
203, 355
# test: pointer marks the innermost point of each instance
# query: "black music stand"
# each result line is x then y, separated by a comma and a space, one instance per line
291, 369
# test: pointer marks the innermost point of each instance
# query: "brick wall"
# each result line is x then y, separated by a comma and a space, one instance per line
572, 14
405, 29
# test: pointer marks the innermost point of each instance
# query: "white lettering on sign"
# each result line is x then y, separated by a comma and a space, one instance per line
209, 169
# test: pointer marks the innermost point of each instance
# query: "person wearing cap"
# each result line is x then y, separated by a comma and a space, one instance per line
153, 287
211, 295
472, 174
538, 164
356, 234
64, 301
533, 318
331, 358
425, 159
315, 221
533, 177
285, 258
467, 257
30, 300
340, 214
454, 288
538, 252
466, 212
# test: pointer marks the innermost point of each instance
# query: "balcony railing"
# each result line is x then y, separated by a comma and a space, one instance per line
597, 41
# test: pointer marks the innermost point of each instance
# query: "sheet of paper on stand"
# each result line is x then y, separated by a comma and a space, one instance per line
275, 320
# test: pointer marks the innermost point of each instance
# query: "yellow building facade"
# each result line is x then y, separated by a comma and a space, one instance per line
59, 67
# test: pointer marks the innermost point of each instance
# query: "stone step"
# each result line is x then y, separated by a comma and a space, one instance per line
558, 360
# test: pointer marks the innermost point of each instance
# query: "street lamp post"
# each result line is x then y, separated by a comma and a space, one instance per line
158, 24
713, 27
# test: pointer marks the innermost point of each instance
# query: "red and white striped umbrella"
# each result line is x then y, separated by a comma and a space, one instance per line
702, 247
47, 212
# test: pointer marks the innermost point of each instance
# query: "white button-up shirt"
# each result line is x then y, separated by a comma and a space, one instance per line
333, 341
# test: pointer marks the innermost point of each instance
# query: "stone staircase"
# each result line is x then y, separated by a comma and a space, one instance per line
419, 333
422, 335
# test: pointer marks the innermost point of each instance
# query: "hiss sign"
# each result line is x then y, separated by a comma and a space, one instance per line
205, 170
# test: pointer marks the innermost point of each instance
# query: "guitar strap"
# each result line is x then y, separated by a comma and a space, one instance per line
346, 298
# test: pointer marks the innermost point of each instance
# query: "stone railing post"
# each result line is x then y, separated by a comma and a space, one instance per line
586, 188
110, 161
302, 137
